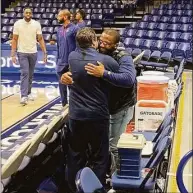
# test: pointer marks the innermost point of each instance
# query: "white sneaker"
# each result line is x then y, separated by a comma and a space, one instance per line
23, 101
30, 97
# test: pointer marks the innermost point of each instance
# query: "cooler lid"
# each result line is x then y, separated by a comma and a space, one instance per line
153, 79
132, 141
152, 73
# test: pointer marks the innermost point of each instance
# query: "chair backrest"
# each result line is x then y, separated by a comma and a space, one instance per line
52, 127
14, 161
180, 71
137, 59
160, 151
35, 141
86, 181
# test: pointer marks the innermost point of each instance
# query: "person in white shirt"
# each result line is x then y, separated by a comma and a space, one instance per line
26, 32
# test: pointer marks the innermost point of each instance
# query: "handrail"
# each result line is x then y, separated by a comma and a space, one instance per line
180, 169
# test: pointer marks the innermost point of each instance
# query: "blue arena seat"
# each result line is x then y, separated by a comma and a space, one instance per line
9, 15
95, 6
84, 5
39, 10
4, 37
47, 16
51, 10
88, 23
96, 21
7, 29
97, 11
44, 22
37, 16
19, 16
49, 30
86, 181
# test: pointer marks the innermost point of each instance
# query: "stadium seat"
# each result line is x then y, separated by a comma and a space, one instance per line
95, 6
47, 16
96, 21
97, 11
19, 16
9, 15
4, 21
128, 41
169, 46
147, 44
160, 35
39, 10
84, 5
146, 55
54, 36
4, 37
172, 36
165, 57
37, 16
59, 5
49, 30
136, 52
108, 15
44, 22
8, 29
119, 10
152, 26
142, 25
86, 181
47, 37
150, 34
156, 45
14, 160
51, 10
88, 23
107, 6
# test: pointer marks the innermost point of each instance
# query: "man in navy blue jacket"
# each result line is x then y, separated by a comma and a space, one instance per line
88, 108
123, 93
65, 43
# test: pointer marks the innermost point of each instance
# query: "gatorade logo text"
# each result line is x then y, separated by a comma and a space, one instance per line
150, 113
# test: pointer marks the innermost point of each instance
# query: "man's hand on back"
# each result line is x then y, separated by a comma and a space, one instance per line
94, 70
66, 78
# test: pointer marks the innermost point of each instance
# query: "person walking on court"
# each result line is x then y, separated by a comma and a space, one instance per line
26, 32
88, 109
66, 43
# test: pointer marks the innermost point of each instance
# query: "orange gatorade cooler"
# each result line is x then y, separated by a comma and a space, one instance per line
152, 88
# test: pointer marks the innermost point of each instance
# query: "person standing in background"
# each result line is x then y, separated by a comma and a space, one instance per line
66, 43
79, 17
26, 32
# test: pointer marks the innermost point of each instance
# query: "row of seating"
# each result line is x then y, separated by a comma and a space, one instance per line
161, 26
29, 146
176, 6
24, 3
157, 35
167, 19
172, 12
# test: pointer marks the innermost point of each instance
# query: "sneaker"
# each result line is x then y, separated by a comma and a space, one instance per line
30, 97
23, 101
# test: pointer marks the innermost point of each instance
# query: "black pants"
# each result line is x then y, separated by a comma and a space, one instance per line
63, 87
84, 134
